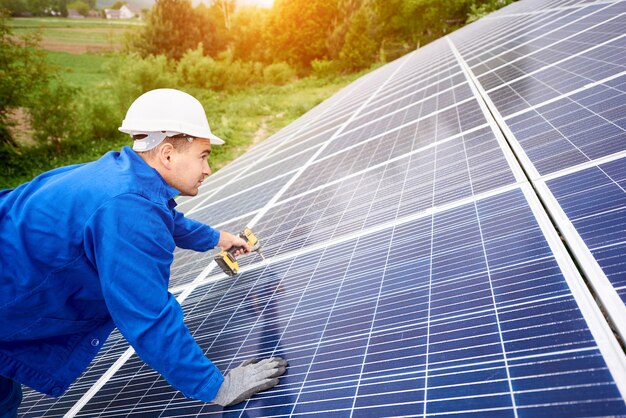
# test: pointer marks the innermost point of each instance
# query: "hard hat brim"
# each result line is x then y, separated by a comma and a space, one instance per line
177, 127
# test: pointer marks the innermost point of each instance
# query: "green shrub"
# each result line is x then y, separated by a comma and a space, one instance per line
54, 113
101, 116
278, 73
324, 68
132, 76
195, 69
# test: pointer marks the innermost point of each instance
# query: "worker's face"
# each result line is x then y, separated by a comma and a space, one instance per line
190, 166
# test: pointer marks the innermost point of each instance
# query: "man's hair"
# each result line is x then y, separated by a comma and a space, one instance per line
180, 142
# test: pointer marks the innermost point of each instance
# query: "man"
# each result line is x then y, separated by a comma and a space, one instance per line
88, 247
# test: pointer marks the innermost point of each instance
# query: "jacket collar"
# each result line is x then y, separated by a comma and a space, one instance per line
151, 182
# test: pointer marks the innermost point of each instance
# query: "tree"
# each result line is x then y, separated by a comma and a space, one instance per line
249, 40
171, 29
23, 70
54, 114
118, 4
336, 39
213, 23
298, 30
80, 6
359, 50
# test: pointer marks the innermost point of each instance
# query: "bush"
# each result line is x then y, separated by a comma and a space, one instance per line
324, 68
195, 69
278, 73
101, 116
54, 113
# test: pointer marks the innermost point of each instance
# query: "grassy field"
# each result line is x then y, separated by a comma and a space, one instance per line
76, 36
80, 70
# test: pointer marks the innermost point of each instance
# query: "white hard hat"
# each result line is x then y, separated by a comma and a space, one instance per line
168, 110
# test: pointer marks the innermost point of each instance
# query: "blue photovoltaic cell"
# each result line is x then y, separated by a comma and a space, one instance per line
216, 212
462, 312
456, 169
573, 130
595, 202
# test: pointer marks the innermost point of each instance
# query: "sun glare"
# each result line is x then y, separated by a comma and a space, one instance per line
259, 3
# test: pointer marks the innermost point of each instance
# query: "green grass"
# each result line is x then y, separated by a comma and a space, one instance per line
83, 71
75, 35
61, 22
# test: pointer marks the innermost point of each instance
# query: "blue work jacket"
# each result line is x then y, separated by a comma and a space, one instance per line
83, 249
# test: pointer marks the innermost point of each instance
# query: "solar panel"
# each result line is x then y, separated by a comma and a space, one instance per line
445, 236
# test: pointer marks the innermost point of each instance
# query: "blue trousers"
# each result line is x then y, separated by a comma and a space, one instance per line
10, 397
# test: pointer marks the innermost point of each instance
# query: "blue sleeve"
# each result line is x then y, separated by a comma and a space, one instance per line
129, 240
193, 235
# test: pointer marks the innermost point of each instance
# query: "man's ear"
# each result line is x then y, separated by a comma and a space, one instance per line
165, 154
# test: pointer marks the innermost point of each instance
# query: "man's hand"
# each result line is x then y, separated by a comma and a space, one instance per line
252, 376
228, 240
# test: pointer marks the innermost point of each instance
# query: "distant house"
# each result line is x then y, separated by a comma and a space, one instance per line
129, 12
112, 13
125, 12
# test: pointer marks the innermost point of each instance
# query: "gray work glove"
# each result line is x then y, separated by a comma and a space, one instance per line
252, 376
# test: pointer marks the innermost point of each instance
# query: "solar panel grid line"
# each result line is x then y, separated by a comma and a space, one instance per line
376, 136
411, 88
387, 115
509, 155
215, 180
565, 95
324, 328
241, 185
583, 166
607, 343
361, 314
400, 127
519, 153
100, 383
398, 104
599, 116
305, 165
372, 229
190, 289
486, 48
613, 304
561, 61
611, 297
503, 348
187, 267
321, 149
599, 280
575, 5
549, 45
515, 32
353, 174
203, 202
500, 334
